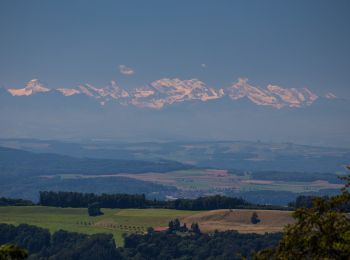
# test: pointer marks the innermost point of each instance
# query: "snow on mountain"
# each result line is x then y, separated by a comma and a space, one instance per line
167, 91
112, 91
259, 96
178, 90
33, 86
68, 91
273, 95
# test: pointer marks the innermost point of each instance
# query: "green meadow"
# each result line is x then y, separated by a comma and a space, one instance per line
114, 221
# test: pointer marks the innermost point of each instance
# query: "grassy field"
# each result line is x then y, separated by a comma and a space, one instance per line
114, 221
239, 219
120, 221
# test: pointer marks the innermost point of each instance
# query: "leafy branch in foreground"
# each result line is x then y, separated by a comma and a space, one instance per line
12, 252
320, 232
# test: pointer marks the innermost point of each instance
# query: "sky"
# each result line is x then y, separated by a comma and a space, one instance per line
69, 42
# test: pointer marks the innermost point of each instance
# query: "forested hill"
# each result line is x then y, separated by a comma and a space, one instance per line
13, 161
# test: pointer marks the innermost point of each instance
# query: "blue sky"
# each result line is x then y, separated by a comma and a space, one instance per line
65, 43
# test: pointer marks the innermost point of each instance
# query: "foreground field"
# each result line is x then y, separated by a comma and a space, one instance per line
114, 221
239, 219
120, 221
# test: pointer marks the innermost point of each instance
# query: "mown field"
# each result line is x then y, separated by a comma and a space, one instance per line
114, 221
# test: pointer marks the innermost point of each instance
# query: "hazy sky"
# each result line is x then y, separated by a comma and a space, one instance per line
68, 42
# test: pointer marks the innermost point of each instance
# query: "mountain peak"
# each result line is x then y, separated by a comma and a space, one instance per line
273, 95
168, 91
31, 87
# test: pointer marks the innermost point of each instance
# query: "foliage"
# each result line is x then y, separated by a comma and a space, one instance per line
254, 218
69, 245
94, 209
12, 252
61, 245
77, 199
320, 232
302, 202
29, 237
208, 203
15, 202
195, 228
29, 187
175, 226
218, 245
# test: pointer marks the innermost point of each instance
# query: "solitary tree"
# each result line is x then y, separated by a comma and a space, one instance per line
254, 218
94, 209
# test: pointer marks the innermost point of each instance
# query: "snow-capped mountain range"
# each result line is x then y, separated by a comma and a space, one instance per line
166, 91
172, 108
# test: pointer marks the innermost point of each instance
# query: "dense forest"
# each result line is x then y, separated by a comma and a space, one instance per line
219, 245
40, 244
82, 200
70, 246
79, 200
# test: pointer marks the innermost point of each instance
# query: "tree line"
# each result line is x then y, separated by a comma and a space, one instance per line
122, 200
81, 200
15, 202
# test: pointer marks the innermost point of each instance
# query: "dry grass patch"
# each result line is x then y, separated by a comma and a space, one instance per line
239, 219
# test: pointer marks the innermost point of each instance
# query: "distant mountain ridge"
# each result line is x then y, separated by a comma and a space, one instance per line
168, 91
32, 164
174, 109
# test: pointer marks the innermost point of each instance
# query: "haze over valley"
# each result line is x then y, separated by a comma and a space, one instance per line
177, 130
